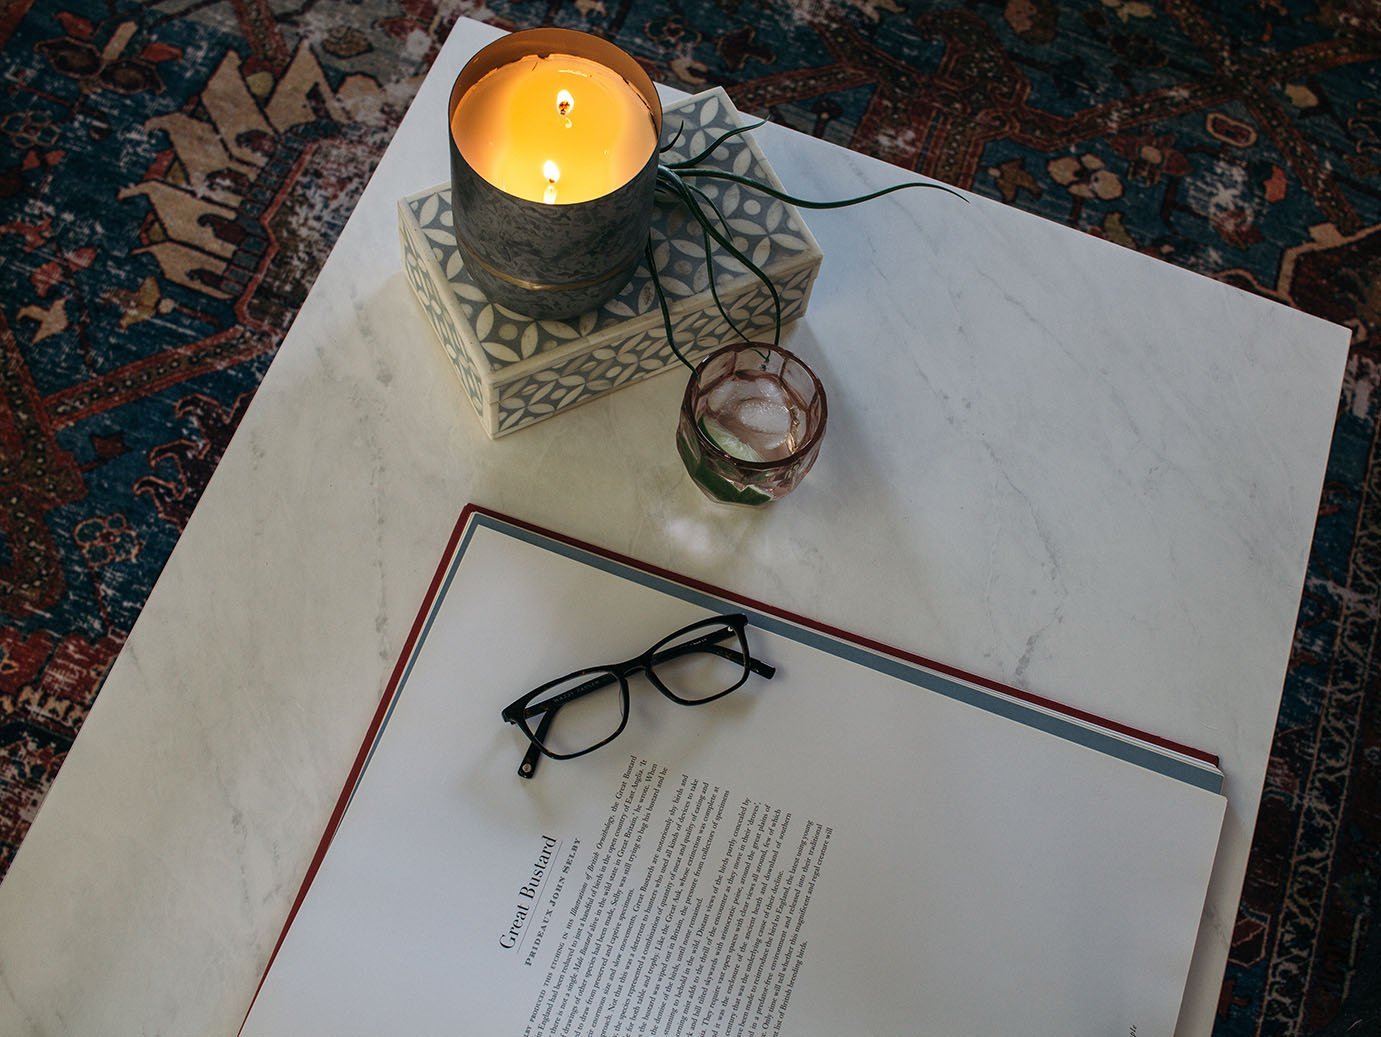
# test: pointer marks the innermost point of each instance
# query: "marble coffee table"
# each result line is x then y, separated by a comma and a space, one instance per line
1050, 460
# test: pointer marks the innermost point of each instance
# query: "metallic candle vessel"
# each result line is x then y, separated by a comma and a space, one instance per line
543, 239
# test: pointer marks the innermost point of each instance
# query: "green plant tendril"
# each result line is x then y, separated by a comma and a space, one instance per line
743, 258
681, 190
714, 288
688, 194
804, 203
675, 137
672, 178
662, 302
688, 163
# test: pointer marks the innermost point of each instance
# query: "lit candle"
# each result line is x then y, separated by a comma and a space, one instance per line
554, 128
553, 143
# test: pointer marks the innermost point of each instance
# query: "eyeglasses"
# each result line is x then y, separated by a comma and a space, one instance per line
697, 664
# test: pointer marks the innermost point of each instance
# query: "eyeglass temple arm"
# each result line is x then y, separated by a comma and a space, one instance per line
759, 667
528, 767
708, 644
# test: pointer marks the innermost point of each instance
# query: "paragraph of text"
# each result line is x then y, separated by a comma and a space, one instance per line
689, 916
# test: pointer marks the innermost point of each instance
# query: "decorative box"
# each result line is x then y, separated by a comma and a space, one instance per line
517, 370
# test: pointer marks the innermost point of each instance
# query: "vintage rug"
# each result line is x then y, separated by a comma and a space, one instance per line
174, 172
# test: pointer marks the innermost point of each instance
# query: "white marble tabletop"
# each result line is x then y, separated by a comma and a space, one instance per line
1050, 460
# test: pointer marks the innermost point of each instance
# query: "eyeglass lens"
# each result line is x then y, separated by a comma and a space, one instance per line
695, 665
590, 716
702, 662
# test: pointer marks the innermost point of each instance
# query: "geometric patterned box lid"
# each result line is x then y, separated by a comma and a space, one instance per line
517, 370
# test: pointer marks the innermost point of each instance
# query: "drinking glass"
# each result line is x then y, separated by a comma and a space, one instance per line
751, 423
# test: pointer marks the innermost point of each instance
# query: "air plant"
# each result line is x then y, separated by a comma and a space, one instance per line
676, 180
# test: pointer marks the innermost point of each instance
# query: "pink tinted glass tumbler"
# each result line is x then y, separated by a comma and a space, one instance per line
751, 423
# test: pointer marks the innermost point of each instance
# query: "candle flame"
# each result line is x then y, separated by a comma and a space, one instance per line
564, 103
552, 172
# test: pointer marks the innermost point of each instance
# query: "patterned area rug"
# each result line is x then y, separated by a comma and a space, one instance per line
173, 174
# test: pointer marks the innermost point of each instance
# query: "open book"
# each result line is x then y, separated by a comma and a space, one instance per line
865, 843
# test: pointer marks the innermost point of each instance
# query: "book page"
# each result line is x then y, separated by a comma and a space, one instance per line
856, 845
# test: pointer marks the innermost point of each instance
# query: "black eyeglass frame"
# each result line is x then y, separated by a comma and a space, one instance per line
717, 629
